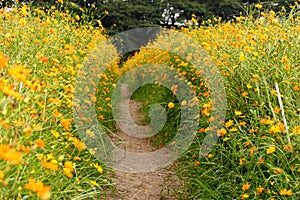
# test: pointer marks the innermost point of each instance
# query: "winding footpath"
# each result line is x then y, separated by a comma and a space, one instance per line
159, 184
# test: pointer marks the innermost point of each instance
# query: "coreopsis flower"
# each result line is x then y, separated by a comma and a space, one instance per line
246, 186
98, 167
9, 154
3, 61
66, 123
258, 6
277, 170
238, 113
296, 130
245, 196
285, 192
1, 175
40, 143
271, 150
170, 105
229, 123
50, 164
39, 188
68, 169
267, 121
259, 190
221, 132
19, 72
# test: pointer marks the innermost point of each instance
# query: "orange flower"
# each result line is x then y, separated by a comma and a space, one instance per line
4, 124
10, 155
77, 143
221, 132
267, 121
296, 130
52, 164
56, 114
44, 59
40, 143
3, 61
271, 150
277, 170
39, 188
246, 187
259, 190
8, 91
24, 149
19, 72
66, 123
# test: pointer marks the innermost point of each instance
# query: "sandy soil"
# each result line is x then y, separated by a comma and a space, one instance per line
160, 184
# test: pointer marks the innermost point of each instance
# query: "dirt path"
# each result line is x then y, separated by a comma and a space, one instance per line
160, 184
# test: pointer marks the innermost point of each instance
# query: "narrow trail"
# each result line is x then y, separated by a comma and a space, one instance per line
159, 184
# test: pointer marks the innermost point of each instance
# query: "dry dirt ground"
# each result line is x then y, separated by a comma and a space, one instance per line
160, 184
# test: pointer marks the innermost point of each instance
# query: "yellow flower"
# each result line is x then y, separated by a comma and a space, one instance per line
258, 6
229, 123
284, 59
1, 176
171, 105
243, 161
233, 129
277, 128
271, 150
90, 133
183, 103
68, 169
245, 196
94, 183
242, 57
286, 192
81, 9
55, 133
249, 86
238, 113
98, 167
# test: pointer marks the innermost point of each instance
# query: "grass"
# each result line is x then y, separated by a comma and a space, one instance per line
41, 154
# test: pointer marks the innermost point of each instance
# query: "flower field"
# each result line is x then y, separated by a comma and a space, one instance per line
256, 157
